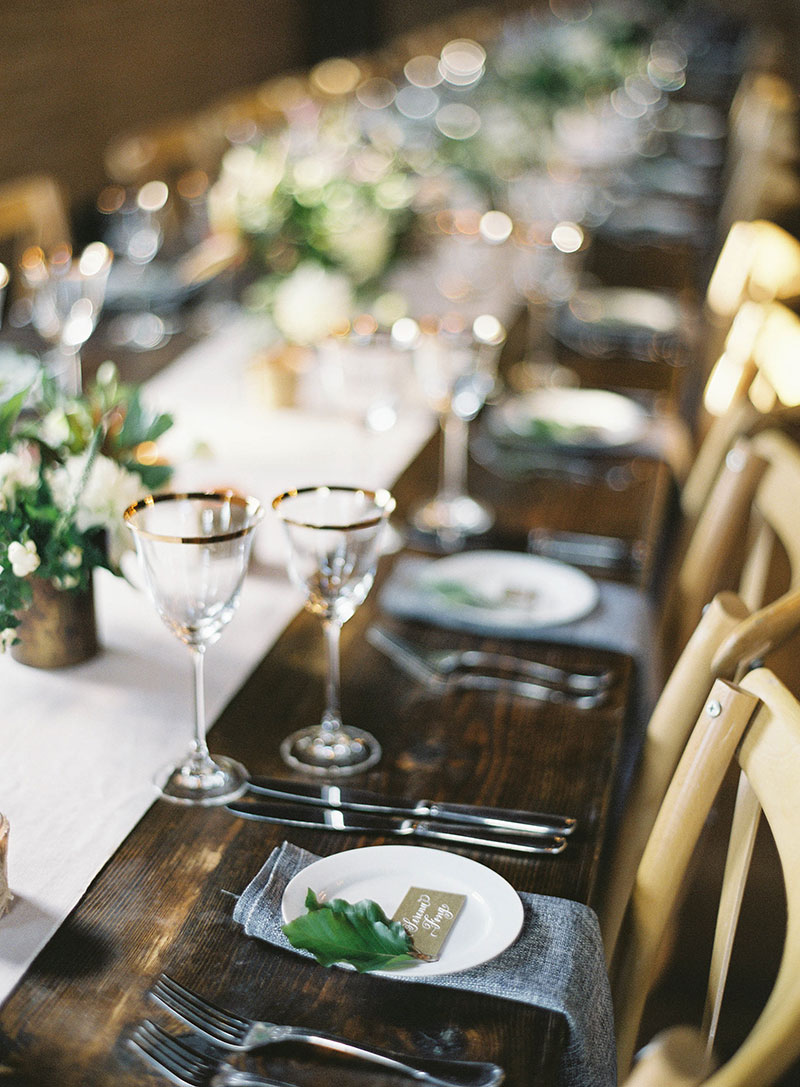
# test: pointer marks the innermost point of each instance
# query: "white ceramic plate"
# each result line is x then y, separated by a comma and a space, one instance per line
489, 922
519, 590
567, 416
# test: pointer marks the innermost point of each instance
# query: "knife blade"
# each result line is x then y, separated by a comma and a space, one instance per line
341, 822
338, 797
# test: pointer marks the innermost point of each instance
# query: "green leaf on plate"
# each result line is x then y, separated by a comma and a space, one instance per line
357, 933
456, 592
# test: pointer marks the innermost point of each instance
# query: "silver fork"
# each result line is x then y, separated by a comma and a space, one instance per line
234, 1032
457, 667
184, 1065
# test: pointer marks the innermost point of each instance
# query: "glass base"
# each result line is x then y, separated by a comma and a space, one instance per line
346, 751
216, 780
452, 518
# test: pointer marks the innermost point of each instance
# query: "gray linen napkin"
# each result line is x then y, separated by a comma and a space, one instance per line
623, 620
556, 963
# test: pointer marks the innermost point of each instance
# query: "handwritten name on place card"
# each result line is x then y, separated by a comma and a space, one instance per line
428, 916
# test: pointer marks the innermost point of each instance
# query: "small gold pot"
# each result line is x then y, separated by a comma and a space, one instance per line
58, 629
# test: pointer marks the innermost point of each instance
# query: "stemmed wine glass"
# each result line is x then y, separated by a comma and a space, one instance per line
456, 372
67, 296
334, 536
193, 550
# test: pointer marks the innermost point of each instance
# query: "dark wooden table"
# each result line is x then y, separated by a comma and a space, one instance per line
164, 901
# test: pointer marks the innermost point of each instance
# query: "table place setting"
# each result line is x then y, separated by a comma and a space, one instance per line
549, 953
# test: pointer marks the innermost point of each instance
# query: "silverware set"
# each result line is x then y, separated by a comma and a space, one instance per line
359, 811
477, 670
223, 1032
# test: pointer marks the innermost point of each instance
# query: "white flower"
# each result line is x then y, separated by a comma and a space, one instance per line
55, 428
7, 637
108, 492
72, 558
311, 303
68, 581
23, 557
17, 469
362, 245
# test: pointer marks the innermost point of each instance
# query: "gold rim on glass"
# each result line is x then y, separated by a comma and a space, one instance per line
252, 505
382, 498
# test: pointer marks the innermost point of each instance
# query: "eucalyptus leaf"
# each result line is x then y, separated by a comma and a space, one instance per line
357, 933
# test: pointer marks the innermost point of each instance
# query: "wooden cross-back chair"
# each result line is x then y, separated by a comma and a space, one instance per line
757, 725
760, 179
752, 513
758, 261
726, 642
754, 384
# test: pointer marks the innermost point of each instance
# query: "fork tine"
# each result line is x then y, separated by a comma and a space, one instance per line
199, 1012
172, 1056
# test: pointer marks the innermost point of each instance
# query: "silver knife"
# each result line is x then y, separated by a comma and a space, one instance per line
344, 822
338, 797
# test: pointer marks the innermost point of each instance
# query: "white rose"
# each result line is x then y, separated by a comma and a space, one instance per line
55, 428
17, 469
23, 557
311, 303
7, 637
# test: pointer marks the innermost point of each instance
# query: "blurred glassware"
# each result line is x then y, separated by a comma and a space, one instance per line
365, 373
455, 369
66, 299
549, 259
135, 228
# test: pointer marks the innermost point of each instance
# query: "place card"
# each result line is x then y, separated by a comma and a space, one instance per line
428, 916
5, 893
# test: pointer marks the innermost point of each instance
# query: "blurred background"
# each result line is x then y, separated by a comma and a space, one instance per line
75, 74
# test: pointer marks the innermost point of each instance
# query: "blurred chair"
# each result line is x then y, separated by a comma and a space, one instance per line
760, 172
725, 643
32, 212
748, 529
756, 725
758, 262
754, 384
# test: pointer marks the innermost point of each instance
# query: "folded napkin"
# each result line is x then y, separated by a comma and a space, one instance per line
623, 621
556, 963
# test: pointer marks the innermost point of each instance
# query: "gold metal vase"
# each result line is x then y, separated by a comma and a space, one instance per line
58, 629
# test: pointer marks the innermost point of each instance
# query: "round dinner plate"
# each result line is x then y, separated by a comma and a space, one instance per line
489, 922
519, 590
568, 416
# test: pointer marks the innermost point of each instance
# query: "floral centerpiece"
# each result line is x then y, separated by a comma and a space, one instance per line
325, 208
68, 470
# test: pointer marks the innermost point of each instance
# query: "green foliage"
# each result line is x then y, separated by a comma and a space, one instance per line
359, 934
68, 467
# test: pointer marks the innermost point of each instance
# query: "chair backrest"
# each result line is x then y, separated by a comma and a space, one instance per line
762, 148
754, 383
725, 643
757, 724
33, 212
754, 505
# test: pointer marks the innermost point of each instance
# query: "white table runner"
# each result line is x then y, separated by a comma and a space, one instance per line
79, 746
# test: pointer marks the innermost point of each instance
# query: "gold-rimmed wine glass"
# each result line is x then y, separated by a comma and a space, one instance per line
193, 550
334, 535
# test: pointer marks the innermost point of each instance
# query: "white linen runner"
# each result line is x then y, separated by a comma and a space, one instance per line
79, 746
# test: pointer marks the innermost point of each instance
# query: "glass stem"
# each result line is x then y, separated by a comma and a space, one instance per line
199, 746
453, 457
332, 717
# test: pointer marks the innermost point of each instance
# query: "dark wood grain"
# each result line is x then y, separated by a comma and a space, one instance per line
165, 900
